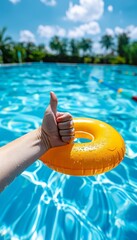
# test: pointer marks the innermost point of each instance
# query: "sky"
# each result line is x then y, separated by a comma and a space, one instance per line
39, 20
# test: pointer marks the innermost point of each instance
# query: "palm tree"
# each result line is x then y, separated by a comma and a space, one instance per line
133, 54
107, 42
42, 47
59, 45
64, 46
123, 42
74, 47
130, 53
86, 46
5, 45
29, 48
55, 44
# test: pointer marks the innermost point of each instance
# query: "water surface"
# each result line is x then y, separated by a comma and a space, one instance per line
43, 204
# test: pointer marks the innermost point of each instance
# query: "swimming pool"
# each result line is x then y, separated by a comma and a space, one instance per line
42, 204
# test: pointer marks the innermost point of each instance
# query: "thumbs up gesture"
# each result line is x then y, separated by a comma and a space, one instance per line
56, 127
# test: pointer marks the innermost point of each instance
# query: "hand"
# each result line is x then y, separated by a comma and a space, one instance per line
58, 127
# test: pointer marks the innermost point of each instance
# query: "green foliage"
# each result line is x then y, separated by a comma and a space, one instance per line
123, 42
74, 47
134, 53
69, 50
85, 45
97, 60
19, 52
59, 46
1, 60
5, 46
107, 42
87, 60
36, 56
117, 60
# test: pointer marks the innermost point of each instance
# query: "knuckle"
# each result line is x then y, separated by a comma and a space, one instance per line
71, 131
60, 132
64, 139
70, 123
69, 115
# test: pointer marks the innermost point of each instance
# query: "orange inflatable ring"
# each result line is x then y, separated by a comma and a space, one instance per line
105, 151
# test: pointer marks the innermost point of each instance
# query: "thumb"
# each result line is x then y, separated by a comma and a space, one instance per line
53, 102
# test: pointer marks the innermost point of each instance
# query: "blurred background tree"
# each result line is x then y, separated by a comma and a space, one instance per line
119, 50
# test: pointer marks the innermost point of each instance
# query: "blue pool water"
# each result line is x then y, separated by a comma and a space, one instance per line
42, 204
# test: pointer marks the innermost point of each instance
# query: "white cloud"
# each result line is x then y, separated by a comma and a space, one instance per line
97, 48
14, 1
118, 30
46, 31
132, 31
75, 33
110, 8
27, 36
109, 32
50, 31
49, 2
91, 28
61, 32
85, 11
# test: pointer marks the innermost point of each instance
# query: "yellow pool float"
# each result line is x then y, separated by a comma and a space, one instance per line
104, 152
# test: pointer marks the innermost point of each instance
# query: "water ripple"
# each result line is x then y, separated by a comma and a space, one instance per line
43, 204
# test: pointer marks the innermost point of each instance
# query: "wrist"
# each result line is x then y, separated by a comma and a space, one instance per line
44, 140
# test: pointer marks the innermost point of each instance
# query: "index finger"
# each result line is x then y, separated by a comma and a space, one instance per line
64, 117
65, 125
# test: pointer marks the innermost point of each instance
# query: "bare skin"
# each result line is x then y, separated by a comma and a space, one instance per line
56, 130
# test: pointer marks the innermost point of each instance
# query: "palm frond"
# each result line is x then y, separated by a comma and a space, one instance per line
7, 39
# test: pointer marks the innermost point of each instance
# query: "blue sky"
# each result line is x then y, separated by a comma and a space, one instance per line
39, 20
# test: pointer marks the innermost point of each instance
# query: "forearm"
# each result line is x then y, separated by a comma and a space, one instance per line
16, 156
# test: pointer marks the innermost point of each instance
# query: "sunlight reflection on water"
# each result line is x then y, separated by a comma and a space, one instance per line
43, 204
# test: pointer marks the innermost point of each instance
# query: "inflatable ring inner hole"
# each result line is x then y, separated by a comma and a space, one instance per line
81, 136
